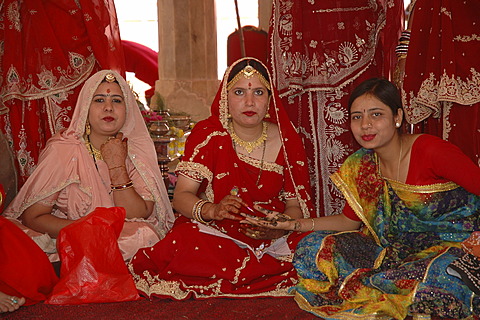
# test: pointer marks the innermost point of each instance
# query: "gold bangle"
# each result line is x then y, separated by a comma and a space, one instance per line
197, 211
117, 187
122, 166
313, 224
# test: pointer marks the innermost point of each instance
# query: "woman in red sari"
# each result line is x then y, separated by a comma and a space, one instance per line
246, 153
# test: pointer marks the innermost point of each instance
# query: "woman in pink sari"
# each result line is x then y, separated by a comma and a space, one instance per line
247, 152
49, 49
105, 158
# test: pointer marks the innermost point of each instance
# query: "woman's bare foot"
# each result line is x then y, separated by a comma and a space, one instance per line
10, 303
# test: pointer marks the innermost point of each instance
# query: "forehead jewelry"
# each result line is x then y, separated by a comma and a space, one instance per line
248, 72
110, 77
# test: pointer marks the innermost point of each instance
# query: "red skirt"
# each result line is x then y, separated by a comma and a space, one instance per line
189, 263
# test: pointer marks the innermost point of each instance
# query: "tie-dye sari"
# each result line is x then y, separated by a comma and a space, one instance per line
395, 265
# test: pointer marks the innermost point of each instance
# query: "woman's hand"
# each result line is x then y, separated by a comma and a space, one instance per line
260, 232
227, 208
114, 151
272, 220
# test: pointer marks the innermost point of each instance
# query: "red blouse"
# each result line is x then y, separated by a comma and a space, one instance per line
434, 160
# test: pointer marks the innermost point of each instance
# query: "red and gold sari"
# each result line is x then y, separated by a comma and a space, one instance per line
218, 260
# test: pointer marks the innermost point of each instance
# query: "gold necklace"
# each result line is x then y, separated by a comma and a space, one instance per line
97, 155
249, 146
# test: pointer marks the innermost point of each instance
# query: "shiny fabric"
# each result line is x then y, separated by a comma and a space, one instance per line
24, 270
396, 265
83, 183
320, 51
49, 49
441, 87
218, 260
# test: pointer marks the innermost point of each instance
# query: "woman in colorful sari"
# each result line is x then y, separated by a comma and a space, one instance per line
105, 158
412, 200
247, 152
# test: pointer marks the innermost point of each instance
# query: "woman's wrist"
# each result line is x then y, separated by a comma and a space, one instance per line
198, 211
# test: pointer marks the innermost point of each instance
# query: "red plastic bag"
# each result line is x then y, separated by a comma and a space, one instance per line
92, 268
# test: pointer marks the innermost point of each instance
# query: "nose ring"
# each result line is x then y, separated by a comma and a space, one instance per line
369, 125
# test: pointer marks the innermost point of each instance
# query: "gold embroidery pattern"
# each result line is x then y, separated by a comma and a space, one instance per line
267, 166
204, 143
221, 175
473, 37
341, 10
194, 171
446, 12
433, 93
432, 188
178, 289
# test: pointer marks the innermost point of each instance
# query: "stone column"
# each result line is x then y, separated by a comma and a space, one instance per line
187, 56
264, 13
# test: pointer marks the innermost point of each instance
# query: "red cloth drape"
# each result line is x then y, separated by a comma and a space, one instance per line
25, 270
441, 87
256, 44
320, 51
50, 48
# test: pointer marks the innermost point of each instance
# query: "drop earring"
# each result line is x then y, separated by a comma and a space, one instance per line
88, 130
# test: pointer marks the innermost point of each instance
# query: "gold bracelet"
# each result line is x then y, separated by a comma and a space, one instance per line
313, 224
122, 166
117, 187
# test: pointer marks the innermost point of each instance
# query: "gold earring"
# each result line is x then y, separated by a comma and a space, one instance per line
267, 116
229, 116
87, 128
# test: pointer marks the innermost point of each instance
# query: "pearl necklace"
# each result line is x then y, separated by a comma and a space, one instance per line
249, 146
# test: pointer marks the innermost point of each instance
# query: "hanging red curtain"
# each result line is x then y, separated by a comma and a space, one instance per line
320, 51
49, 48
441, 87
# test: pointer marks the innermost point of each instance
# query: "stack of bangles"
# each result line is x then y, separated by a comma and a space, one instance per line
402, 47
197, 211
123, 186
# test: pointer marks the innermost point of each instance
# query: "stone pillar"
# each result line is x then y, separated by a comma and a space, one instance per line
187, 56
264, 13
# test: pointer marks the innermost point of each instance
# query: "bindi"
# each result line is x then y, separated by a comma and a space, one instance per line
108, 90
249, 84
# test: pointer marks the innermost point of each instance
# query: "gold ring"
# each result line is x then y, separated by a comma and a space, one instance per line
254, 235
